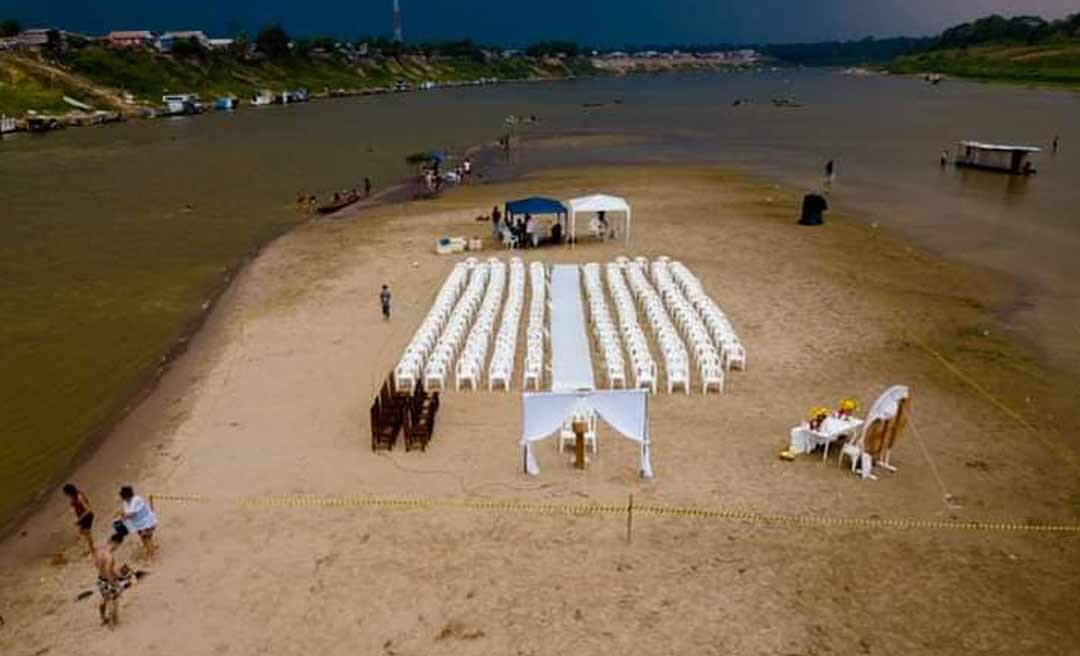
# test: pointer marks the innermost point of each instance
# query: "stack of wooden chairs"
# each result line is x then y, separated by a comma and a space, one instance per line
420, 414
387, 418
391, 413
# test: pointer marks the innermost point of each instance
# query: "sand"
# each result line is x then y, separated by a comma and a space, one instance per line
272, 400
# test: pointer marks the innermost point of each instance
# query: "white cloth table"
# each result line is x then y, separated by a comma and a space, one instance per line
571, 364
804, 440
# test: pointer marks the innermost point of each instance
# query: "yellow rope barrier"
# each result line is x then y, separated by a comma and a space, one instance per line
1058, 449
597, 510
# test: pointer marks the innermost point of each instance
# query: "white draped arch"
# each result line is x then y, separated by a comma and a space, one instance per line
627, 411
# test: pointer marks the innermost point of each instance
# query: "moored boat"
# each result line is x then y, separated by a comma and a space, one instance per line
338, 202
996, 157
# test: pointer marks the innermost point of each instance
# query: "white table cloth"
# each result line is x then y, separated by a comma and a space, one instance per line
804, 440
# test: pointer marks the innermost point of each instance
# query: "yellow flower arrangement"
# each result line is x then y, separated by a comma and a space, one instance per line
848, 406
818, 412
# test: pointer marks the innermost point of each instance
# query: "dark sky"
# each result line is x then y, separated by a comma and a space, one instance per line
601, 22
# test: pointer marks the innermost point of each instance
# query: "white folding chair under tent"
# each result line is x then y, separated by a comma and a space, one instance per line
598, 203
627, 411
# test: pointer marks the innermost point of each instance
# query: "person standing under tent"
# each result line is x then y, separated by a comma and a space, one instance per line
530, 231
367, 187
466, 170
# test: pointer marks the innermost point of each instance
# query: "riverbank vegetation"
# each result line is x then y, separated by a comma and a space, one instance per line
1025, 49
133, 78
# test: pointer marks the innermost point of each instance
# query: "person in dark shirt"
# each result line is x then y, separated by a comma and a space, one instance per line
84, 516
384, 300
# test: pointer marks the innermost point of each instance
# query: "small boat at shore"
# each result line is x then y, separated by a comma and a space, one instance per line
338, 202
995, 157
263, 98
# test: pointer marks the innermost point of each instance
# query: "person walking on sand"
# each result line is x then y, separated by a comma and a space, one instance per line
84, 516
830, 174
367, 187
108, 583
466, 170
384, 300
1054, 147
139, 518
496, 220
944, 157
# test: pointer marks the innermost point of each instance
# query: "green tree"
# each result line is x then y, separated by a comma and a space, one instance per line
241, 45
324, 43
273, 42
10, 28
188, 48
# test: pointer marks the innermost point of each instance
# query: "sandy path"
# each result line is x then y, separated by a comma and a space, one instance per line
273, 400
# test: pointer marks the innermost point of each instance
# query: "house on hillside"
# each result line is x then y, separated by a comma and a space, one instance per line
221, 44
166, 41
130, 39
39, 39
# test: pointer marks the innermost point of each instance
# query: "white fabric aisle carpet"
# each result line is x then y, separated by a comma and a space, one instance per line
571, 363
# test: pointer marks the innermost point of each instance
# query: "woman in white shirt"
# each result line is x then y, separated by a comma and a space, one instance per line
139, 518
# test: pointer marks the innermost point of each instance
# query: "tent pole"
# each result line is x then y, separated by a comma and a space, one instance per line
630, 518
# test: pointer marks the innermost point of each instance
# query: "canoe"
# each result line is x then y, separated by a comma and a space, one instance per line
335, 205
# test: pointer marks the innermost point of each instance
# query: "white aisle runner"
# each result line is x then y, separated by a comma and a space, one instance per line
571, 364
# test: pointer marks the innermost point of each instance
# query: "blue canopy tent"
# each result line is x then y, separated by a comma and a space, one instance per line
538, 206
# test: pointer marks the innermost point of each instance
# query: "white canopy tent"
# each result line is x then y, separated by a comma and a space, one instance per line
627, 411
598, 203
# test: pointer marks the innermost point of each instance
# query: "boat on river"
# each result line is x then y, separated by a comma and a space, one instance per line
338, 202
996, 157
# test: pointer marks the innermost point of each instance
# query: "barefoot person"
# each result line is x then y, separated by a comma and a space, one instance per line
84, 516
108, 583
139, 518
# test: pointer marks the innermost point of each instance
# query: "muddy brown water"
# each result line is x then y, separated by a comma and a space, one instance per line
112, 238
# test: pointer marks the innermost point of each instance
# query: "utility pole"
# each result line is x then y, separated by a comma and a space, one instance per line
398, 37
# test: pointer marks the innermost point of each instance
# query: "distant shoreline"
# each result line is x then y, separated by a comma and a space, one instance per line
115, 109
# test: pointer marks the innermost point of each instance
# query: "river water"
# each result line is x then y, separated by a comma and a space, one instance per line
102, 261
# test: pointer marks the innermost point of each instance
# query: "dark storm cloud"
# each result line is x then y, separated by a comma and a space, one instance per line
604, 22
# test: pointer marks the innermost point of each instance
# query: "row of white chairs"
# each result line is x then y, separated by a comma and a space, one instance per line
732, 351
642, 363
470, 364
604, 330
501, 369
676, 361
536, 333
446, 350
408, 369
687, 319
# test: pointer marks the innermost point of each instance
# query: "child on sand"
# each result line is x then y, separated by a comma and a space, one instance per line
84, 516
139, 518
108, 583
